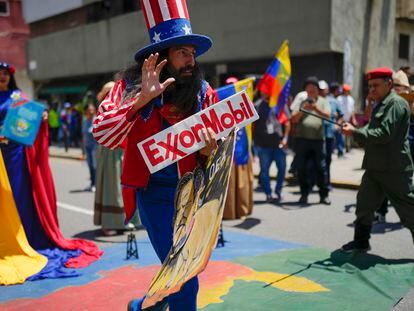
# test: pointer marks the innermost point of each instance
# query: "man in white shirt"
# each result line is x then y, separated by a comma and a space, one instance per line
347, 104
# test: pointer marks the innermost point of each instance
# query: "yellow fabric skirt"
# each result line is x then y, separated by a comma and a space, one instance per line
18, 260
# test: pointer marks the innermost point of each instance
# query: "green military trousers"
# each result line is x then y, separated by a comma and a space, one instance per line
376, 186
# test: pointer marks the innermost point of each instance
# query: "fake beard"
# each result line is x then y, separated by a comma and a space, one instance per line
183, 93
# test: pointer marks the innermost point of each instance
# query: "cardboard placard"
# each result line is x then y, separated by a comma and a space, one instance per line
185, 137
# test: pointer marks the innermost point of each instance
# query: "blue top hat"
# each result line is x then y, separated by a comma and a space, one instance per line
169, 25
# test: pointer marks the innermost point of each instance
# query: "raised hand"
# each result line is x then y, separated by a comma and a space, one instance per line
151, 86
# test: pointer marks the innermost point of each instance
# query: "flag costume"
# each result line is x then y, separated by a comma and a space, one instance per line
239, 201
30, 180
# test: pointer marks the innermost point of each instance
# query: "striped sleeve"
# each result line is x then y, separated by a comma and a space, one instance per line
110, 127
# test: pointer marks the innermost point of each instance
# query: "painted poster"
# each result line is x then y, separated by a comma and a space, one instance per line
22, 122
199, 204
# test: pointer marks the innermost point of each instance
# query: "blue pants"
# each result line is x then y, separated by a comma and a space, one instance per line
340, 143
266, 157
90, 151
156, 210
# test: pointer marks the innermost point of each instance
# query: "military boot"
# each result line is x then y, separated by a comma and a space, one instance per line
361, 240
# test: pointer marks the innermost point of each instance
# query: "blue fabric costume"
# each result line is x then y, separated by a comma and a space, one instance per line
16, 165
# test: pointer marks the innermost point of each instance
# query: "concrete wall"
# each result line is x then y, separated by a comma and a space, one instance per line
242, 29
35, 10
89, 49
239, 29
23, 82
404, 27
364, 32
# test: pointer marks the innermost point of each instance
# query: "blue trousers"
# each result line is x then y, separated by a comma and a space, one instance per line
340, 143
156, 210
90, 151
266, 157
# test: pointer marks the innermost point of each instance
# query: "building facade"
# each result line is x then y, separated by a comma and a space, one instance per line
404, 36
14, 33
88, 41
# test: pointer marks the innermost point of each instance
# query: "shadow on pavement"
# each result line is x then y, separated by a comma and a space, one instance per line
347, 208
98, 236
248, 223
79, 190
350, 262
381, 228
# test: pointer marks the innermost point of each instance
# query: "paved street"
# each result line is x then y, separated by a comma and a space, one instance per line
275, 258
316, 225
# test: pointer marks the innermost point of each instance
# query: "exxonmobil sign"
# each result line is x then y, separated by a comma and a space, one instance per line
185, 137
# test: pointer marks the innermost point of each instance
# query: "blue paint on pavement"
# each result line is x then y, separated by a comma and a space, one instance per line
237, 245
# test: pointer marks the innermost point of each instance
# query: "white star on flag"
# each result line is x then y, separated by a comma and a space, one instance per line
156, 37
187, 30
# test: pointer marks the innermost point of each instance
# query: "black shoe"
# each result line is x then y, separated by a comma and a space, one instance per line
270, 199
379, 218
356, 246
325, 200
303, 199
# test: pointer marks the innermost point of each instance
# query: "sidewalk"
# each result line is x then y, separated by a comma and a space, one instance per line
346, 172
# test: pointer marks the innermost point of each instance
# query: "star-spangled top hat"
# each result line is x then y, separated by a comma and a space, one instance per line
169, 25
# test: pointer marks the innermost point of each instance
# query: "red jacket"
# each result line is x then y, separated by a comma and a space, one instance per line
111, 129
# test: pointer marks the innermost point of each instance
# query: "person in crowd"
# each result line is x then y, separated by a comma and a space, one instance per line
90, 144
347, 104
309, 140
65, 119
336, 115
270, 135
109, 207
54, 123
239, 200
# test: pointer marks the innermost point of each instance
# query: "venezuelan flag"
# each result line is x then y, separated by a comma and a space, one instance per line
244, 135
277, 79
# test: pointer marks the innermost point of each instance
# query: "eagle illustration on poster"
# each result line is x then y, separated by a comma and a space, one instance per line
199, 204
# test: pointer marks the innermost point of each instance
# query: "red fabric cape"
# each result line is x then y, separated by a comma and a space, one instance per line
44, 196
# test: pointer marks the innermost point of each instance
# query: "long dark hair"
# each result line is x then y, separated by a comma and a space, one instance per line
12, 83
183, 93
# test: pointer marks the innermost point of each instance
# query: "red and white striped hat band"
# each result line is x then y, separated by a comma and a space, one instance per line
158, 11
168, 24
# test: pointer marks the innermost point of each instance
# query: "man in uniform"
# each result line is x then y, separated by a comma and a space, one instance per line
387, 161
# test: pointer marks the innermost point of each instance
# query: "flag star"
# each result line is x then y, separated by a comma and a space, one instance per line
187, 30
156, 37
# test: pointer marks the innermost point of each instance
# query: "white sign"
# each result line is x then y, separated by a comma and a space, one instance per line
185, 137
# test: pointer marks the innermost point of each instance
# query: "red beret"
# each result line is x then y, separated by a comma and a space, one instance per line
383, 72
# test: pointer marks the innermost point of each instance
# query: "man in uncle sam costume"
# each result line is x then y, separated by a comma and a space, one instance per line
164, 87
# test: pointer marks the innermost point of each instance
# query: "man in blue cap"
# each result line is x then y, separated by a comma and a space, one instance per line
164, 87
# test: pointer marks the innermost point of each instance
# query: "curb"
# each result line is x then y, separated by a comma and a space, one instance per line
69, 157
334, 183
